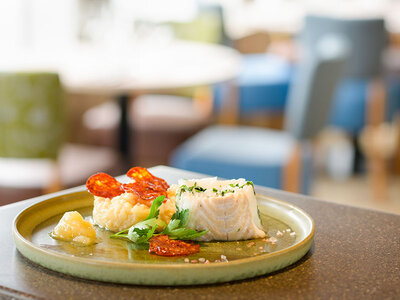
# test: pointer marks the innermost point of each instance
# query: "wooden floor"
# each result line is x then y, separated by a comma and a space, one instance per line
355, 191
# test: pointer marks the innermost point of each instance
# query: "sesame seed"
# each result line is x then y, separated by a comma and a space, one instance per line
223, 257
250, 244
186, 260
279, 233
288, 230
260, 247
272, 239
239, 249
217, 261
194, 261
202, 259
293, 234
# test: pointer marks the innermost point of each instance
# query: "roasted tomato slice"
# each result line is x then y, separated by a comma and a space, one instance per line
104, 185
143, 175
164, 246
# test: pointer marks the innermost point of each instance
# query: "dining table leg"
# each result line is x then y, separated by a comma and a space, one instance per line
125, 139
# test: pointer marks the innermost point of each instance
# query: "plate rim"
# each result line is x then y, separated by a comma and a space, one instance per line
134, 265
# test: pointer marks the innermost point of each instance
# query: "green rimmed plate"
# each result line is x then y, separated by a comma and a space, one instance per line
118, 261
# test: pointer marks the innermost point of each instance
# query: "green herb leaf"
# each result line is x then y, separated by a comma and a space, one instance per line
259, 215
181, 215
154, 209
141, 232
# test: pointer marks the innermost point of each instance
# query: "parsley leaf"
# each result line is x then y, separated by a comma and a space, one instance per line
154, 209
141, 232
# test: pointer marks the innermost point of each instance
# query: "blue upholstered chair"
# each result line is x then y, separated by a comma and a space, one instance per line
263, 84
368, 40
272, 158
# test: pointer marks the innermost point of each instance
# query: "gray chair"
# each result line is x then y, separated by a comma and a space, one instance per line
272, 158
356, 92
367, 38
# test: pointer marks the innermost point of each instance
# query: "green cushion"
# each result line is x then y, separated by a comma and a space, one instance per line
31, 115
206, 28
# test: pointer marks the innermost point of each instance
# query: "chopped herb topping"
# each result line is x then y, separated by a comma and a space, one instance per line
199, 189
192, 189
234, 185
227, 191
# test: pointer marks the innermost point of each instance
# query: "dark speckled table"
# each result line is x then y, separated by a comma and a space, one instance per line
356, 255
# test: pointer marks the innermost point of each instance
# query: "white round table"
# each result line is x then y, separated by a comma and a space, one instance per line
125, 72
143, 67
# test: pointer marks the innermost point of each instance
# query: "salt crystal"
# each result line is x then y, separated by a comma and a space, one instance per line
272, 239
288, 230
279, 234
239, 249
202, 259
194, 261
223, 257
207, 261
186, 260
293, 234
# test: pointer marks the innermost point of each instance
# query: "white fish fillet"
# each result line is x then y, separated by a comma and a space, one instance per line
228, 209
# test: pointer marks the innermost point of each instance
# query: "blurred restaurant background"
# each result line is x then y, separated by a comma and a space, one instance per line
297, 95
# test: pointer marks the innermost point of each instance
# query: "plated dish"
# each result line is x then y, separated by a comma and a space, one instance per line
237, 234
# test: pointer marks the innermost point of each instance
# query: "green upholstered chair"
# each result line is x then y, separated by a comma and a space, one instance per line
33, 152
31, 115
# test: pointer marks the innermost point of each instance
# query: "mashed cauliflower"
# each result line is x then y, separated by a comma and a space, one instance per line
121, 212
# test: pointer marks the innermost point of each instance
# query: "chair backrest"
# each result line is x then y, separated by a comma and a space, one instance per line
367, 37
31, 115
311, 93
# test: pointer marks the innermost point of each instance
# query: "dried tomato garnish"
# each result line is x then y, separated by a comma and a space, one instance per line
146, 186
143, 175
143, 190
164, 246
104, 185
